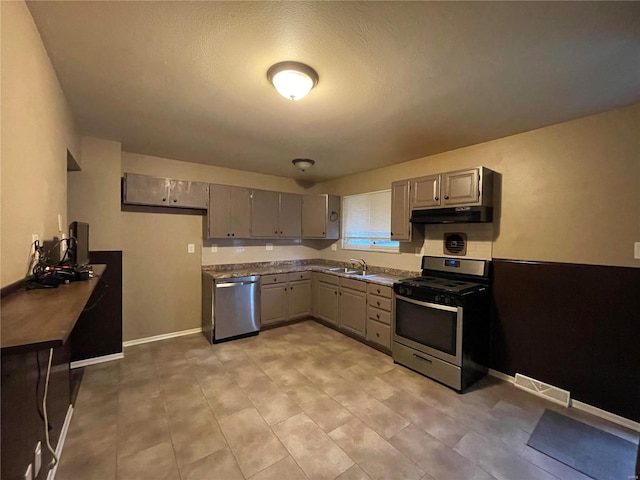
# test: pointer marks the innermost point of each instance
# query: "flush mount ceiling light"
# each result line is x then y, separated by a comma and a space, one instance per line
292, 80
303, 163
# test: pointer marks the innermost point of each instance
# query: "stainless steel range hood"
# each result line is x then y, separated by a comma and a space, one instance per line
453, 215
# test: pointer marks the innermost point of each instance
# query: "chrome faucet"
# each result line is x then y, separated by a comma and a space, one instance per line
361, 263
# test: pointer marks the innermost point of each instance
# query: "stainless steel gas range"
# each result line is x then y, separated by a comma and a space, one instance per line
442, 321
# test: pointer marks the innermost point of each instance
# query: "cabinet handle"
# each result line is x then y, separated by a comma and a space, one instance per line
280, 232
233, 234
335, 293
164, 199
392, 234
378, 290
378, 303
285, 289
378, 316
276, 231
323, 233
446, 197
175, 200
228, 234
436, 198
377, 335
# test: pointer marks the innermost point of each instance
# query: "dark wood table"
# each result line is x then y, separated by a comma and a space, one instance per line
43, 318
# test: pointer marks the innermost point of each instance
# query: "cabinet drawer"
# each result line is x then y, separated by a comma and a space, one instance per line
379, 315
353, 284
382, 303
381, 290
275, 278
299, 276
379, 333
326, 278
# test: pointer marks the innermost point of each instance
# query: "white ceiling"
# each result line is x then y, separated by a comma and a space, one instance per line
398, 80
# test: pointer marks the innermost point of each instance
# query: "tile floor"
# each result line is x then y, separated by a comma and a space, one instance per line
297, 402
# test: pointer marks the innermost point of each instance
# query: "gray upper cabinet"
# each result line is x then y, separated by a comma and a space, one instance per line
164, 192
461, 187
321, 216
425, 192
275, 214
186, 194
400, 211
470, 187
229, 212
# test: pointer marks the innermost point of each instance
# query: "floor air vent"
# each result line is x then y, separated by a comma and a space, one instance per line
543, 390
455, 244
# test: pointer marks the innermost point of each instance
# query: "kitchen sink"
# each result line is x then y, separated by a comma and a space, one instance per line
342, 270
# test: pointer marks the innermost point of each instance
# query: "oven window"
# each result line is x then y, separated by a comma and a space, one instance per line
427, 326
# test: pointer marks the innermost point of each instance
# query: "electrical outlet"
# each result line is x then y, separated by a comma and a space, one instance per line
60, 230
28, 475
191, 248
239, 249
636, 250
37, 459
269, 247
214, 248
334, 247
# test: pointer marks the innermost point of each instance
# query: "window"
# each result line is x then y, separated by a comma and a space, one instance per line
366, 222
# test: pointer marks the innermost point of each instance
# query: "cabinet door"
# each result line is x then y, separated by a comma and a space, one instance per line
353, 310
460, 188
239, 212
400, 211
146, 190
425, 192
218, 211
264, 214
314, 216
186, 194
299, 299
273, 303
327, 307
290, 215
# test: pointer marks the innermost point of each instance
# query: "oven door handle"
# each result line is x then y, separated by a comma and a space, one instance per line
426, 304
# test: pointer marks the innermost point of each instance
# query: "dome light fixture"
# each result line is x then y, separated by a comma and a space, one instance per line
303, 163
292, 80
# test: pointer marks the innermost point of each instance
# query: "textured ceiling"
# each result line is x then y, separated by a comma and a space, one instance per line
398, 80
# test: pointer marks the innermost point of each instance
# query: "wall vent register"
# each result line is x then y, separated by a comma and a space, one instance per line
455, 244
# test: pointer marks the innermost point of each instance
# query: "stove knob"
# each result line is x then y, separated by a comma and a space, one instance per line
408, 291
447, 300
437, 298
400, 290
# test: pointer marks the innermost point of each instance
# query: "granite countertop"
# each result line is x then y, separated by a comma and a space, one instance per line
377, 275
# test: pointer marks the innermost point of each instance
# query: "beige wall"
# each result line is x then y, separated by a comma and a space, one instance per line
570, 192
94, 193
37, 130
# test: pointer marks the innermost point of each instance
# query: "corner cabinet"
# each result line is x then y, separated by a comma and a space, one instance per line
470, 187
164, 192
321, 216
229, 212
275, 214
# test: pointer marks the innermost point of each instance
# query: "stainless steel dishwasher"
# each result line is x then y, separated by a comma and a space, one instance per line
230, 307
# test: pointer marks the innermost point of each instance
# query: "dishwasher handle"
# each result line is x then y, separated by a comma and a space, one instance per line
233, 284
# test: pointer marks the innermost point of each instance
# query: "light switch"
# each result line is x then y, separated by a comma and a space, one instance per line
191, 248
214, 248
334, 247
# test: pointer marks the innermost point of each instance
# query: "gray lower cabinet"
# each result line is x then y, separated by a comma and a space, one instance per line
229, 212
285, 297
164, 192
379, 314
326, 307
353, 306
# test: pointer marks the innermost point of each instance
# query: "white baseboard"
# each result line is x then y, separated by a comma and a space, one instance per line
598, 412
63, 436
156, 338
95, 360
